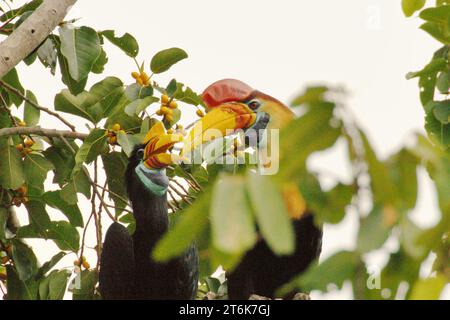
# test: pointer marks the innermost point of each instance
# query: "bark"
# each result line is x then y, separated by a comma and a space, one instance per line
32, 32
41, 132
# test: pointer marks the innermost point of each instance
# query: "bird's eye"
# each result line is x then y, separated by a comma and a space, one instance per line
254, 104
140, 153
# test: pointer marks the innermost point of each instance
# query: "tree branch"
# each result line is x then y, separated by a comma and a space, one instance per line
32, 32
51, 133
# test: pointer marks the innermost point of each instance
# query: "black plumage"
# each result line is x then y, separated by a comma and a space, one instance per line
148, 279
262, 272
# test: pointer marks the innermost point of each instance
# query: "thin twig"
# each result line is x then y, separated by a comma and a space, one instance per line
177, 204
34, 104
125, 201
90, 181
182, 196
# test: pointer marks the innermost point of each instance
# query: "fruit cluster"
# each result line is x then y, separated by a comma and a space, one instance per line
25, 147
20, 196
112, 133
82, 262
167, 107
141, 78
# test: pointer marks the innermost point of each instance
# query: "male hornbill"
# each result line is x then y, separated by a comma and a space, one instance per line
234, 105
127, 270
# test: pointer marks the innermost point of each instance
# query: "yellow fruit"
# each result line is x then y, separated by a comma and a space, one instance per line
86, 264
122, 131
169, 118
164, 98
200, 113
19, 147
173, 105
116, 127
144, 77
139, 81
170, 131
165, 110
28, 142
22, 124
135, 75
112, 140
159, 112
22, 190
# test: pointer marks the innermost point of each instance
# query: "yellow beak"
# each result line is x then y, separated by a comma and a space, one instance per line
219, 122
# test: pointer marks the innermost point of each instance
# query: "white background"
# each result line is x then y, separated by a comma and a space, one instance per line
277, 47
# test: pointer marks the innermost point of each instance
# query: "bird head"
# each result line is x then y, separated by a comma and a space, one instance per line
233, 105
149, 160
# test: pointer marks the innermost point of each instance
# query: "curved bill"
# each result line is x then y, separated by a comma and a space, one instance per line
219, 122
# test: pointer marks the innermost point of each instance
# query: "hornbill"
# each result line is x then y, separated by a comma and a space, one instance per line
234, 105
127, 270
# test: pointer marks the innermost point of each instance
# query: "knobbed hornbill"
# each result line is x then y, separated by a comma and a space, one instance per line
127, 270
234, 105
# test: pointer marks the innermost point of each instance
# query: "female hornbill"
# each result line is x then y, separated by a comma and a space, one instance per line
233, 105
127, 270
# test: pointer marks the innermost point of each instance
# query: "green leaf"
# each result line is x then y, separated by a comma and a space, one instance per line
65, 236
403, 171
94, 145
71, 211
25, 261
38, 217
63, 161
81, 47
46, 267
18, 289
373, 232
193, 220
441, 111
79, 184
115, 164
12, 78
36, 168
310, 95
382, 186
439, 14
233, 228
310, 133
48, 55
135, 91
11, 168
75, 87
429, 289
437, 131
99, 65
438, 31
65, 101
103, 97
127, 43
334, 206
31, 114
57, 284
83, 285
187, 95
127, 142
336, 269
139, 105
163, 60
271, 213
411, 6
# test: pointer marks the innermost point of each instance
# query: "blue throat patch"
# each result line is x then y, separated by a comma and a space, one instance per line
143, 173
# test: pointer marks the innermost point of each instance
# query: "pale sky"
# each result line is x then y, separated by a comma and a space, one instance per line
278, 47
